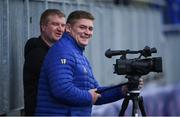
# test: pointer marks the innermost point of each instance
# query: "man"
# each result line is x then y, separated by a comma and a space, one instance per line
67, 86
52, 26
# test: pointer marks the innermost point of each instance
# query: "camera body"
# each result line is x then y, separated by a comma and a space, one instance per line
138, 66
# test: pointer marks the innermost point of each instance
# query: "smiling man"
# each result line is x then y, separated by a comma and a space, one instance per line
67, 86
52, 26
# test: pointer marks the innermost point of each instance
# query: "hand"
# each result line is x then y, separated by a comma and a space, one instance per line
94, 95
141, 83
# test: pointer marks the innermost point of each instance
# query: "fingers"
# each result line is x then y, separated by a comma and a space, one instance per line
141, 83
93, 91
94, 95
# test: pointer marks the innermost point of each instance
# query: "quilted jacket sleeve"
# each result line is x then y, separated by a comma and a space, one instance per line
110, 94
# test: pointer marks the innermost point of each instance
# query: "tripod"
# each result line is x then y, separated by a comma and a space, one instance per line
134, 96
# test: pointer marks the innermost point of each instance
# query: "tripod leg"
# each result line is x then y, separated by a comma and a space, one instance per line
135, 107
141, 106
124, 106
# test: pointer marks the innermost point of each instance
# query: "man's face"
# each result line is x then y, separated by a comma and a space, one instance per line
82, 31
54, 29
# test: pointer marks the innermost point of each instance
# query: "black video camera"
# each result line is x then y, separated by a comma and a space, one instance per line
136, 66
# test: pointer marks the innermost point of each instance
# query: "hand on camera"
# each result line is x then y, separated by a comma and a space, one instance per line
141, 83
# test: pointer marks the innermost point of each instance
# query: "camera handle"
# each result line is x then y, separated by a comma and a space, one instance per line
133, 95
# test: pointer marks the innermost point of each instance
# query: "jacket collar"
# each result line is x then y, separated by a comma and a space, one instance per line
73, 40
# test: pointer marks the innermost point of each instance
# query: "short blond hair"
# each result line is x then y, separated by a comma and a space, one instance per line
45, 15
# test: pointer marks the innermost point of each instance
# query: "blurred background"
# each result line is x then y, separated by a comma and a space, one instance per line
119, 25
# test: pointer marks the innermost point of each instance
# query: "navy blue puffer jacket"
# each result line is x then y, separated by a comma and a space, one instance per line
66, 77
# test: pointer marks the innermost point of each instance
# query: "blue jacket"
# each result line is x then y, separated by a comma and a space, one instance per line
66, 76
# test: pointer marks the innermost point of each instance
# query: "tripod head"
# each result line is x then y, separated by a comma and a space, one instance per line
133, 84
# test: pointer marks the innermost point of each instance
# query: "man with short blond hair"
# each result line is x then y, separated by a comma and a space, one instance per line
52, 26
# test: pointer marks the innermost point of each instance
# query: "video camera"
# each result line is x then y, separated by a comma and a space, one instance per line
136, 66
134, 69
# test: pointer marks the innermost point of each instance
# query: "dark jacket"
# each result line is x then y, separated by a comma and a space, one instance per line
34, 53
65, 79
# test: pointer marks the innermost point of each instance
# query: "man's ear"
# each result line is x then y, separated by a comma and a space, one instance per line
68, 27
43, 27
